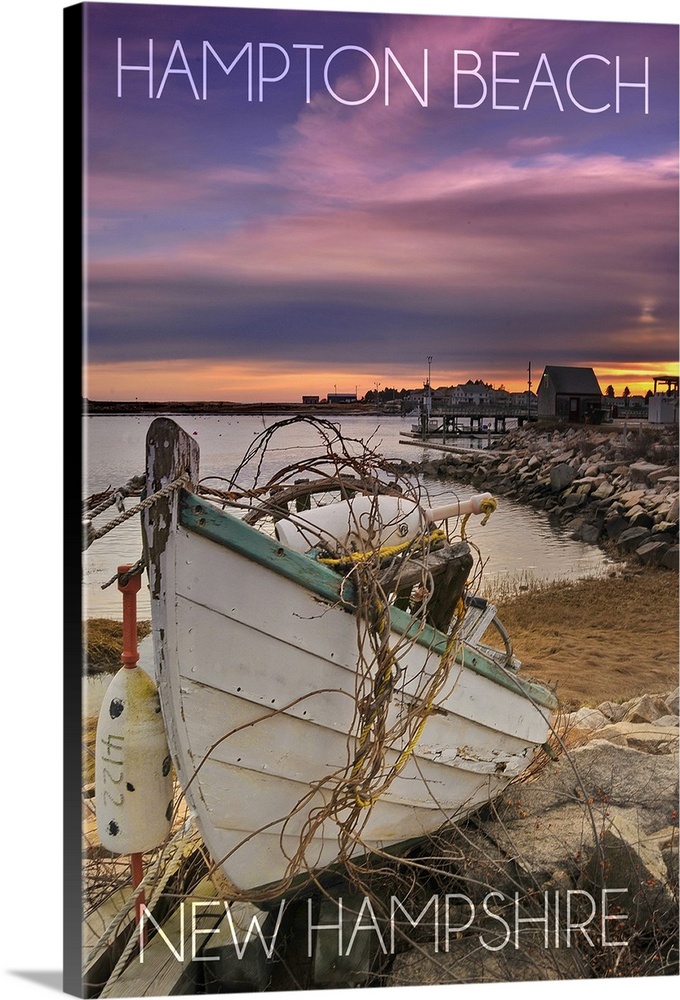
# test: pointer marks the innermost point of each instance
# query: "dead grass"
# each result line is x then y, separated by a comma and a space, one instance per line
103, 643
599, 640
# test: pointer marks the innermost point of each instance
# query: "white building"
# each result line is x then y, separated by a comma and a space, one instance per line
663, 403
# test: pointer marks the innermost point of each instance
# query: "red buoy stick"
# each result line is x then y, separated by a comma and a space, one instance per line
130, 656
129, 590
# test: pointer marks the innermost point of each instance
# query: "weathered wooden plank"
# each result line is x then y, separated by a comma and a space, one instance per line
448, 567
170, 453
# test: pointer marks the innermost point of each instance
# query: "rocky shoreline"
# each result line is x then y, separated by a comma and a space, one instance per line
613, 486
602, 815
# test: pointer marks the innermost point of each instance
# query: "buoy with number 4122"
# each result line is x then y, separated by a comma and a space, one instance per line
133, 780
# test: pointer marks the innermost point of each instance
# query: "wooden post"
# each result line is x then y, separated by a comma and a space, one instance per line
170, 453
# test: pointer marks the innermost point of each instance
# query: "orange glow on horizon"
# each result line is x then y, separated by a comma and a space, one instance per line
638, 377
251, 382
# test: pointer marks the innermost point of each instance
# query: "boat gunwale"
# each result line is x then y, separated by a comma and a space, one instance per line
203, 518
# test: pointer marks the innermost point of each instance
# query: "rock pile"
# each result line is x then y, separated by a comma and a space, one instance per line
615, 487
597, 826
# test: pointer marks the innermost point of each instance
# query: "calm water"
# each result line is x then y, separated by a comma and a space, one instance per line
517, 543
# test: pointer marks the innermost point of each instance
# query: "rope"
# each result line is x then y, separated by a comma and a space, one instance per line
133, 485
92, 535
487, 507
182, 843
386, 552
375, 713
442, 673
123, 578
364, 799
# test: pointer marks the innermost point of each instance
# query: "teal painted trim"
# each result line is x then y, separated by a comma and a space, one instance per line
225, 529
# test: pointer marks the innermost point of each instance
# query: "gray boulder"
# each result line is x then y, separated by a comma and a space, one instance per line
561, 476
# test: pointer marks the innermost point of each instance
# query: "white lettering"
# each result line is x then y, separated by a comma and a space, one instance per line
584, 923
495, 916
271, 79
414, 923
247, 48
620, 84
390, 57
467, 72
323, 927
308, 60
376, 70
146, 914
582, 107
496, 80
606, 918
532, 920
195, 931
448, 929
177, 47
373, 926
254, 930
148, 68
550, 82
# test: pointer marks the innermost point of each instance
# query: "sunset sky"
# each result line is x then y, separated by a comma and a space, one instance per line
312, 238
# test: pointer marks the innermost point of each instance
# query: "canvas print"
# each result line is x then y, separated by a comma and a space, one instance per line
379, 500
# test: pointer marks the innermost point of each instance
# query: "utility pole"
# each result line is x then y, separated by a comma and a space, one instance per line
425, 417
529, 395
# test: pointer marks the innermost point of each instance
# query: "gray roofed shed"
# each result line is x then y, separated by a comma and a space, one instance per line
570, 393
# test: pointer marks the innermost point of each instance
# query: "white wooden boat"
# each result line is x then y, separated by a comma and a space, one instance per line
290, 756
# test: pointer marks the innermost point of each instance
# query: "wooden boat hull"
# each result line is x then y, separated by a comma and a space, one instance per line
256, 660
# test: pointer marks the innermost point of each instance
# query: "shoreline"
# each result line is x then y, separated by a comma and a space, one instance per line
613, 487
97, 408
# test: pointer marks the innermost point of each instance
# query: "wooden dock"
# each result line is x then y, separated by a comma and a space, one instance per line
477, 419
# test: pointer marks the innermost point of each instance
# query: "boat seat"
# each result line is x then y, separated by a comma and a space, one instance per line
448, 566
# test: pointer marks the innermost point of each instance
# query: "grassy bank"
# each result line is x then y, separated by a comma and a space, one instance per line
598, 640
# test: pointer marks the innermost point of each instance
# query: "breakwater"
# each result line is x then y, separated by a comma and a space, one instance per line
612, 486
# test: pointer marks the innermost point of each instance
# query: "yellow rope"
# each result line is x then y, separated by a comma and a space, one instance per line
438, 680
487, 508
386, 552
378, 702
375, 715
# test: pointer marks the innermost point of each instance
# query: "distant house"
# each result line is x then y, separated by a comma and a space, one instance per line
342, 397
310, 400
571, 394
526, 400
477, 393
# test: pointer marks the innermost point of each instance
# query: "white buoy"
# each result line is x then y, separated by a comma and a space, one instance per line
133, 780
368, 522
